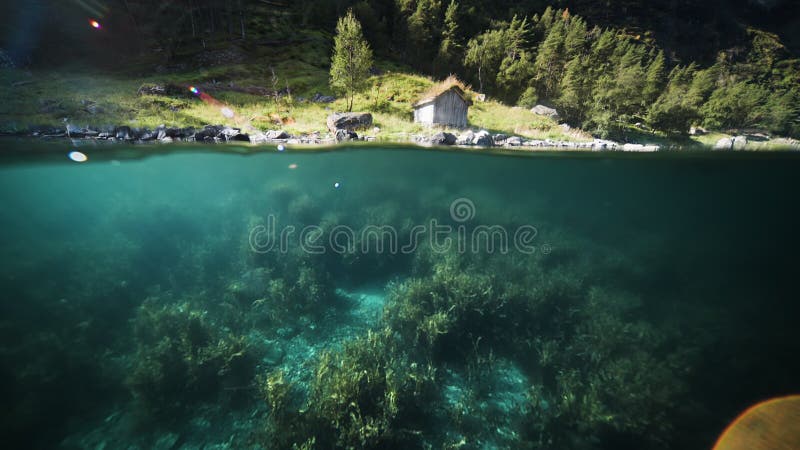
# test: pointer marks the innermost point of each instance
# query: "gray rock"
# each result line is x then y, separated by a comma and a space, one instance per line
277, 134
345, 135
160, 132
499, 138
724, 144
75, 131
208, 133
443, 139
349, 121
514, 141
258, 138
319, 98
542, 110
483, 138
186, 132
639, 148
234, 134
466, 138
123, 133
147, 135
739, 143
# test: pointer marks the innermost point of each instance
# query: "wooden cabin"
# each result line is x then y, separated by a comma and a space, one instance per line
446, 107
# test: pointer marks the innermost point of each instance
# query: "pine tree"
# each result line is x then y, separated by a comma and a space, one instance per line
575, 39
423, 27
516, 68
550, 61
654, 80
575, 91
352, 58
451, 49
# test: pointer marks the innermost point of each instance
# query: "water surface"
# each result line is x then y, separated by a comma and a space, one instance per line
149, 301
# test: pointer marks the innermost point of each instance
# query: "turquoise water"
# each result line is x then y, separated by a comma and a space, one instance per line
625, 302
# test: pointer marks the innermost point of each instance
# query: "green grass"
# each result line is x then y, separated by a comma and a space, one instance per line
47, 98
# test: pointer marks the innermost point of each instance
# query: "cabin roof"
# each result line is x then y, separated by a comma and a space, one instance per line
438, 91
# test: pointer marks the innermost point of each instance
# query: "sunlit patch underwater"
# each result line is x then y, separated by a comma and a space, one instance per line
392, 298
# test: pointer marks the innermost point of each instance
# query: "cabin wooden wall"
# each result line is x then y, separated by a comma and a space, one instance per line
450, 110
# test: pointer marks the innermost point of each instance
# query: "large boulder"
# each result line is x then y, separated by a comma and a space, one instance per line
542, 110
349, 121
724, 144
443, 139
739, 142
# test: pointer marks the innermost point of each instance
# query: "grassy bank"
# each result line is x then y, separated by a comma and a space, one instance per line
97, 97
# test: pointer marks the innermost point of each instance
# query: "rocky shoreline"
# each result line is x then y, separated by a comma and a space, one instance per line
213, 134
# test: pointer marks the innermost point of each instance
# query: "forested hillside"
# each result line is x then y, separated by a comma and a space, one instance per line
605, 65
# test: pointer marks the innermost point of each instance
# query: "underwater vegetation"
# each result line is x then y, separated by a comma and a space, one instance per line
182, 358
162, 327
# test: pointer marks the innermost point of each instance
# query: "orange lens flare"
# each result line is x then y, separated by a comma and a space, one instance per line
95, 24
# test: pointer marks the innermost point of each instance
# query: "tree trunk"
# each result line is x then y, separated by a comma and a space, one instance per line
191, 18
241, 20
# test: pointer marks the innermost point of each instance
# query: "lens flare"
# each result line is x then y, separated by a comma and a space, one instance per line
227, 112
77, 156
194, 90
292, 166
95, 24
